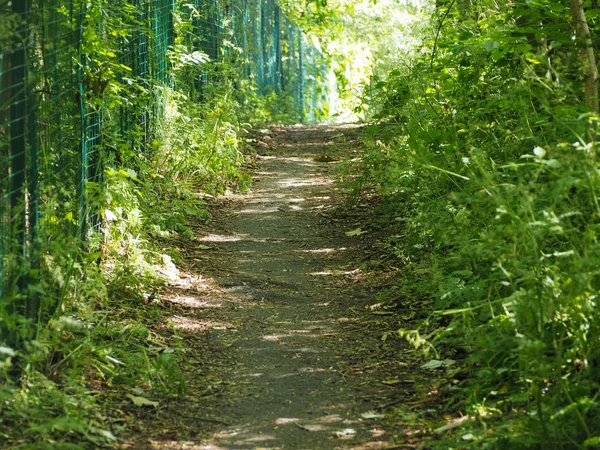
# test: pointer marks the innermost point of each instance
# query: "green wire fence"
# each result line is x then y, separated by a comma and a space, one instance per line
61, 121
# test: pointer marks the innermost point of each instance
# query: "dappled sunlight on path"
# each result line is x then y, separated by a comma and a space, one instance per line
274, 305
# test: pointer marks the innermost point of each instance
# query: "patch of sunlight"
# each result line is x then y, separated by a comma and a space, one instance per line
192, 281
257, 211
318, 327
259, 200
347, 320
268, 193
312, 369
314, 427
240, 288
221, 238
289, 322
237, 238
301, 182
303, 350
256, 438
378, 433
227, 433
323, 273
193, 302
334, 272
275, 337
294, 159
291, 334
304, 144
187, 445
322, 250
285, 375
331, 418
190, 324
285, 420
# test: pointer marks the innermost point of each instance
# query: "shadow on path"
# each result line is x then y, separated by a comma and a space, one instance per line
270, 297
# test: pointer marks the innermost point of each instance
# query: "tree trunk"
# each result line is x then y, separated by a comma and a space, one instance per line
586, 49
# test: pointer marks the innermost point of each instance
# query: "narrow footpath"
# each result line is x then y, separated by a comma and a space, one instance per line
274, 316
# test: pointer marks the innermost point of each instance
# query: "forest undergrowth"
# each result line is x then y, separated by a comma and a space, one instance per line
137, 117
77, 384
163, 123
484, 159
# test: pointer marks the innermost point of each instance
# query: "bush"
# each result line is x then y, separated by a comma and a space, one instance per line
491, 168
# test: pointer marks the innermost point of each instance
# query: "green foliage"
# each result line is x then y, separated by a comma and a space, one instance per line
485, 154
88, 357
156, 149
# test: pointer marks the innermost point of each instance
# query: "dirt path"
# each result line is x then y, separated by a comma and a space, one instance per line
268, 310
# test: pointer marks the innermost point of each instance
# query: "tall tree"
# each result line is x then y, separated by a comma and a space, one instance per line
586, 49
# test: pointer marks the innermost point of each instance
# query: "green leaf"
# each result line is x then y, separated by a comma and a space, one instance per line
436, 364
142, 401
356, 232
491, 45
433, 364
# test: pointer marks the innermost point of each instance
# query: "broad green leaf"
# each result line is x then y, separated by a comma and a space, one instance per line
142, 401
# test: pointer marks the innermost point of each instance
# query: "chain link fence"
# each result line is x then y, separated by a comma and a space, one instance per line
62, 120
